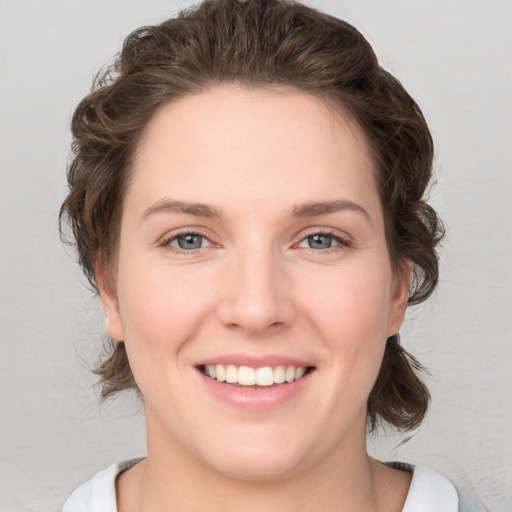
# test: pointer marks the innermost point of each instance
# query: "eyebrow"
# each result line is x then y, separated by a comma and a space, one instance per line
312, 209
324, 207
166, 205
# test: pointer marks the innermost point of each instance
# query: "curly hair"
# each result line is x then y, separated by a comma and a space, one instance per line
259, 43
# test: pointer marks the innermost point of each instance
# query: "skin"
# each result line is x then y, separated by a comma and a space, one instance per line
255, 287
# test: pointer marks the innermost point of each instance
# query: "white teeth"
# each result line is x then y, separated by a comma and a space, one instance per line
264, 376
289, 375
299, 372
231, 374
279, 372
220, 372
247, 376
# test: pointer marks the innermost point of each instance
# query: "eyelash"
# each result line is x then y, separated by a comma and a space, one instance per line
166, 242
341, 242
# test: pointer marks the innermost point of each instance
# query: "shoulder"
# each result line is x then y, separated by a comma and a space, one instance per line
99, 493
430, 491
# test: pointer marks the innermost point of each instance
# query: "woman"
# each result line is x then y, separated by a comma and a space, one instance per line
246, 196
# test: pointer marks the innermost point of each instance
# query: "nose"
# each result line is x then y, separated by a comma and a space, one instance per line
257, 296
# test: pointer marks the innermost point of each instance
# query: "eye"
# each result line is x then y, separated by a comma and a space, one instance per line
322, 241
319, 241
187, 242
190, 241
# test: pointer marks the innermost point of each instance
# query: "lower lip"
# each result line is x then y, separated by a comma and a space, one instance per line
262, 398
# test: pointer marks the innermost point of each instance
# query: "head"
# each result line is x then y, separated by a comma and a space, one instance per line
259, 45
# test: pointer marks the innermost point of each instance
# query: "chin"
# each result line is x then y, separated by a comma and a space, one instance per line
256, 468
256, 461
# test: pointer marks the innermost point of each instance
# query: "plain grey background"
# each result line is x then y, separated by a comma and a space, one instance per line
453, 56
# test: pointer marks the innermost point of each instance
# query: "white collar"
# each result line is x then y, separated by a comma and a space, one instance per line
429, 491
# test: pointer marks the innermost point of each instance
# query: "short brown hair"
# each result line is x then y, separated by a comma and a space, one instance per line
259, 43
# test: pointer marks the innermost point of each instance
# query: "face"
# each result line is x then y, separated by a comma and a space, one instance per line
254, 290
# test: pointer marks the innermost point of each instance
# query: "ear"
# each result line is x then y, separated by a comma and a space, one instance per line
401, 284
109, 300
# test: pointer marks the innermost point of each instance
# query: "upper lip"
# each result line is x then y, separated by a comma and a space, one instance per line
254, 361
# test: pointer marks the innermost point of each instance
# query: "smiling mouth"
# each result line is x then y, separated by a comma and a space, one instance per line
246, 376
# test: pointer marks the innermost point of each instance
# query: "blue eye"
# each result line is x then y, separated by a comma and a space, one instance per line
323, 241
188, 241
320, 241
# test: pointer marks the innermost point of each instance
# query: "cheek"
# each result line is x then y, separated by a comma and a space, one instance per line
160, 315
160, 310
350, 312
351, 301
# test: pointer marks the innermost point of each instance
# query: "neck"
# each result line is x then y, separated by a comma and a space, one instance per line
343, 480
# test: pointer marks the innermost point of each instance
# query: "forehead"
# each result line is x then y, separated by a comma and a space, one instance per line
251, 143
